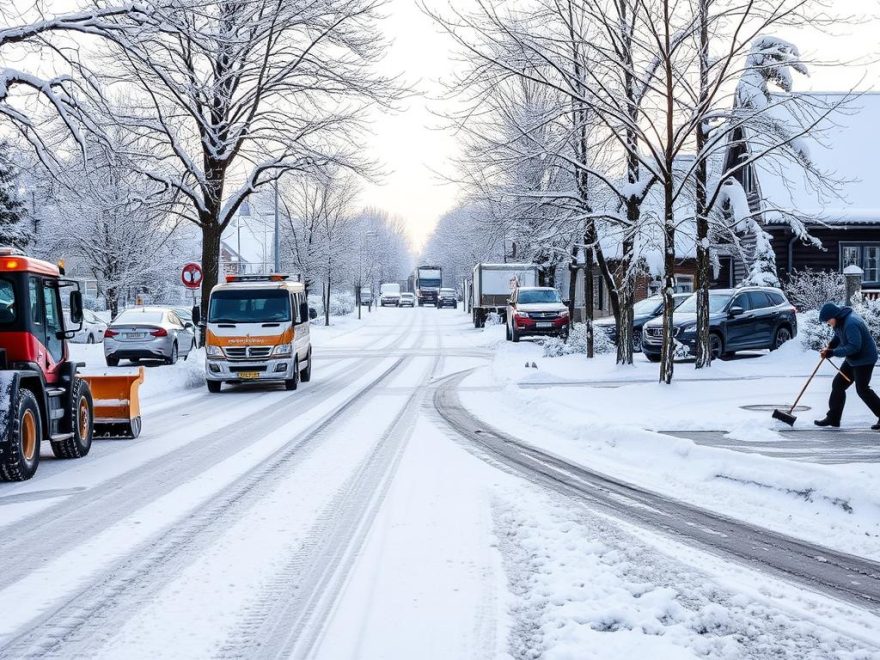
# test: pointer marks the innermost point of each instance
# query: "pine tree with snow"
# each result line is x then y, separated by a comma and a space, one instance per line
13, 230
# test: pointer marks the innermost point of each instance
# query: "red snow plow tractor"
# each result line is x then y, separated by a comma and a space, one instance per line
41, 395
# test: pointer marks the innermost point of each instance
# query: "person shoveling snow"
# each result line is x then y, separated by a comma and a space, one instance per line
853, 341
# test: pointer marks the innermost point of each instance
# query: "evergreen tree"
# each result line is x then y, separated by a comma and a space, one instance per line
13, 229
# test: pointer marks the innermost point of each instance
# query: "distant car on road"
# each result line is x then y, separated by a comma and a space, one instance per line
407, 300
643, 311
366, 296
447, 298
749, 318
93, 328
389, 294
148, 333
536, 311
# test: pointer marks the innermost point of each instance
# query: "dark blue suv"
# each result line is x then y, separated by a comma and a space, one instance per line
739, 319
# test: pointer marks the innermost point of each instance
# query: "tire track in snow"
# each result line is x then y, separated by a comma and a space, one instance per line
78, 625
289, 618
846, 577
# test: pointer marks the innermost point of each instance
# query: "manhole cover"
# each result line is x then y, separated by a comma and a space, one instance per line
769, 408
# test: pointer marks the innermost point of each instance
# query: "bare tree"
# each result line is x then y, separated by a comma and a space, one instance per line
235, 95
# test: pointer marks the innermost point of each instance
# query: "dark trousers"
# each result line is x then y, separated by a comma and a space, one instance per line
861, 376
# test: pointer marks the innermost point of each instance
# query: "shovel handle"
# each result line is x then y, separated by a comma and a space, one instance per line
806, 385
846, 378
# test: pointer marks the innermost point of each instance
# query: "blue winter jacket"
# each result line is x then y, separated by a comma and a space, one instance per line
852, 339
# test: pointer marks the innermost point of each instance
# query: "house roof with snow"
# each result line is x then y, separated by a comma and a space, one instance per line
844, 148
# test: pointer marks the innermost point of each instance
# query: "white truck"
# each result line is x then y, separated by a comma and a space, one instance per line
492, 285
389, 294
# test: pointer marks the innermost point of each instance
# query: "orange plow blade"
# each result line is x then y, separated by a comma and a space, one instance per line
116, 403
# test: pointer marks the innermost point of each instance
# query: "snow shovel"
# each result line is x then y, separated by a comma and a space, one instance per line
787, 417
117, 404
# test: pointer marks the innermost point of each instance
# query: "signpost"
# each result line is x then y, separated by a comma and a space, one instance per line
191, 276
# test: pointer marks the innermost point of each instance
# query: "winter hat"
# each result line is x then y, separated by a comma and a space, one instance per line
829, 311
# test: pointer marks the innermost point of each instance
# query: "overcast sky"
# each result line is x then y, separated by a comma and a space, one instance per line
412, 149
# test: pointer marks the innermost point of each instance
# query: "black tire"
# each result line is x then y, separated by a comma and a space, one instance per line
82, 422
507, 332
214, 386
22, 456
90, 339
652, 358
716, 347
306, 374
783, 334
514, 336
174, 355
112, 361
293, 383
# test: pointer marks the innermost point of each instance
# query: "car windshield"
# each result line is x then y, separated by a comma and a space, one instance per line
243, 306
717, 302
407, 295
7, 302
134, 316
538, 296
648, 306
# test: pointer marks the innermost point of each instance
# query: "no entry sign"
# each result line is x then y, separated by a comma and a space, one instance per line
191, 276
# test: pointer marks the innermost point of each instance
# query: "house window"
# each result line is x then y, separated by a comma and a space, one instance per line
684, 283
864, 255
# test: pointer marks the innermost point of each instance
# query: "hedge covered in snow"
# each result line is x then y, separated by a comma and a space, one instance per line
577, 342
815, 335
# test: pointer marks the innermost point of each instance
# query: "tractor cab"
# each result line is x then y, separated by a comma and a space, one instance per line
42, 397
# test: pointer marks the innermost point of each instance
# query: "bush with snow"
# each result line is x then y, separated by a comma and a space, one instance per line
577, 342
341, 303
810, 289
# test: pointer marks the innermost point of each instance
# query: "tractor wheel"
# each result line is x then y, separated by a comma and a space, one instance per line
293, 383
214, 386
306, 374
81, 421
23, 452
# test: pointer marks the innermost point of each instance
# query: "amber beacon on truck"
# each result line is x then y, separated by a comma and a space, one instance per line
258, 331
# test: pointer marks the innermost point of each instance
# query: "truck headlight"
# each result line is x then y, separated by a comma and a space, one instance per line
283, 349
214, 351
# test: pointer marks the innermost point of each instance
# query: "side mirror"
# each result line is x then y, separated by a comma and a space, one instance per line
735, 311
76, 307
304, 312
196, 314
566, 302
313, 313
189, 326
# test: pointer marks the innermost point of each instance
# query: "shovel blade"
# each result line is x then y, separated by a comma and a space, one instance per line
784, 417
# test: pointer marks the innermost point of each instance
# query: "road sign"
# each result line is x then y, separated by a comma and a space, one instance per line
191, 276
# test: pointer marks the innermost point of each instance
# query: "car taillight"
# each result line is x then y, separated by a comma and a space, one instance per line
110, 333
161, 332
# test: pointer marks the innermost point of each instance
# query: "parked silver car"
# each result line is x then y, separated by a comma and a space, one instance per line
93, 328
148, 333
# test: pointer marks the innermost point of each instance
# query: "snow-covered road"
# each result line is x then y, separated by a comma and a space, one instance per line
349, 520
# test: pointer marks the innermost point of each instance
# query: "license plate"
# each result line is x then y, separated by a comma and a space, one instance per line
135, 335
248, 375
544, 324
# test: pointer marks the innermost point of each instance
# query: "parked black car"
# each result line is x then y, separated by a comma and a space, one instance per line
643, 311
739, 319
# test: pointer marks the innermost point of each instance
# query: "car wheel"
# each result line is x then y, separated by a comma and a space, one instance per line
90, 339
716, 347
637, 341
173, 358
783, 335
652, 358
507, 332
306, 374
293, 383
112, 361
514, 336
214, 386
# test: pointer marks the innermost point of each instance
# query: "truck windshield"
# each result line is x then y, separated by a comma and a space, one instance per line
254, 306
538, 296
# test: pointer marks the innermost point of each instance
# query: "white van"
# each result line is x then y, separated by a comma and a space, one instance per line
389, 295
258, 330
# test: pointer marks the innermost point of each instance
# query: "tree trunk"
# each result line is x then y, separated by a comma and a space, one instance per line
667, 356
211, 234
703, 278
589, 306
327, 303
572, 282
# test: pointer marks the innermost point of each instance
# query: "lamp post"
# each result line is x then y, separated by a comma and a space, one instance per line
277, 233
